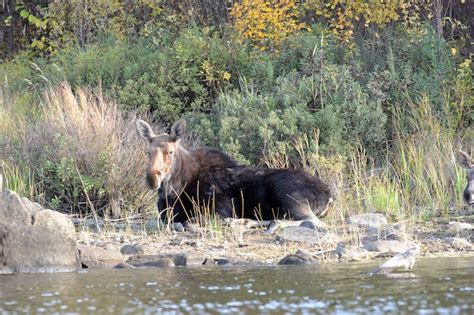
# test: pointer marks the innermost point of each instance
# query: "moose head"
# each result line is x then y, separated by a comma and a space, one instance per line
164, 151
465, 161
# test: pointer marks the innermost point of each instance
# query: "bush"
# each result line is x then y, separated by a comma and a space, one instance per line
84, 153
166, 77
330, 103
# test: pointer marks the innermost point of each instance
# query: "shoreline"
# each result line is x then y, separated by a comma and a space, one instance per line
250, 246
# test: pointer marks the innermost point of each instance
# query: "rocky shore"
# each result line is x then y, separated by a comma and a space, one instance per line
33, 239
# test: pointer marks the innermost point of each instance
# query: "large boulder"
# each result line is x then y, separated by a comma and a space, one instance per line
33, 239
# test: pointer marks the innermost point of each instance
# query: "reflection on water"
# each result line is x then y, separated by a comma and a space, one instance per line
433, 286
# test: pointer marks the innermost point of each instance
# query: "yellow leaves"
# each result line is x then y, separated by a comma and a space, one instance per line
212, 73
343, 15
226, 76
266, 23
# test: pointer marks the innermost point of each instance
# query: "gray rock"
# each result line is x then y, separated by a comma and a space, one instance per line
461, 226
459, 243
93, 225
298, 258
124, 266
33, 239
388, 232
387, 246
216, 261
95, 257
153, 225
308, 224
304, 235
352, 253
375, 220
178, 227
161, 260
229, 262
132, 250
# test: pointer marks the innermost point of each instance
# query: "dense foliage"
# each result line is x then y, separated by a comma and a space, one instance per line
287, 83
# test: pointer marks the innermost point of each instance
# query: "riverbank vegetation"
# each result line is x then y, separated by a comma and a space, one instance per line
376, 97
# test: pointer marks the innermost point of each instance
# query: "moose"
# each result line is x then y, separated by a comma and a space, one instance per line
187, 179
465, 161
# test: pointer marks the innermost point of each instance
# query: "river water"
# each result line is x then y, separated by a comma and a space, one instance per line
434, 286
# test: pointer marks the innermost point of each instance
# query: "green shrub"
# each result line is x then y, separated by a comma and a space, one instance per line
249, 124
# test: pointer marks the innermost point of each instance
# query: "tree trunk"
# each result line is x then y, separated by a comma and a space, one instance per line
438, 16
10, 36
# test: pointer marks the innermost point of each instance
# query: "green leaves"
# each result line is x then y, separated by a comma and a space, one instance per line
24, 13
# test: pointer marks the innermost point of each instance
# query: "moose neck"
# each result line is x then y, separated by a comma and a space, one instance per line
183, 172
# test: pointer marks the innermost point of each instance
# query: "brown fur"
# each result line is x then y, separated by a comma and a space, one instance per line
206, 176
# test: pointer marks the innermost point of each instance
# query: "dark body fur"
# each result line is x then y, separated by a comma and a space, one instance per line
263, 193
246, 192
206, 170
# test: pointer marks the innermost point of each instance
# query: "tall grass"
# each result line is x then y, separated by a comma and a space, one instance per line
82, 149
419, 178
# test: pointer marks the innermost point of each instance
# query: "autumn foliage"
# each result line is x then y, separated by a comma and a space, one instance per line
266, 23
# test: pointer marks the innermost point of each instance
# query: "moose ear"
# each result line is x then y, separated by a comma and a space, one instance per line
178, 129
463, 159
144, 130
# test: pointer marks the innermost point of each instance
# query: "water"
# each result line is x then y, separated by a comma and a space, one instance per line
443, 286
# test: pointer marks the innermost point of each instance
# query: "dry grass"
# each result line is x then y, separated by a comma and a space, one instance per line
84, 151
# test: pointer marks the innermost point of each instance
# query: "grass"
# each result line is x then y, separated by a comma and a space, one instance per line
79, 153
79, 148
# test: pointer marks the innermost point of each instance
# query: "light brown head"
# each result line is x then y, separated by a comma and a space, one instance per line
465, 161
163, 151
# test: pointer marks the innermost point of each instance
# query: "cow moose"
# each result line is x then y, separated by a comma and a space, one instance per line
465, 161
189, 178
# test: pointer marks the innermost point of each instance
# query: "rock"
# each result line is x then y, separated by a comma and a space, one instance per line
161, 260
375, 220
304, 235
459, 243
314, 223
308, 224
178, 227
33, 239
352, 253
272, 227
131, 250
298, 258
76, 221
229, 262
216, 261
97, 257
387, 246
461, 226
153, 225
124, 266
388, 232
